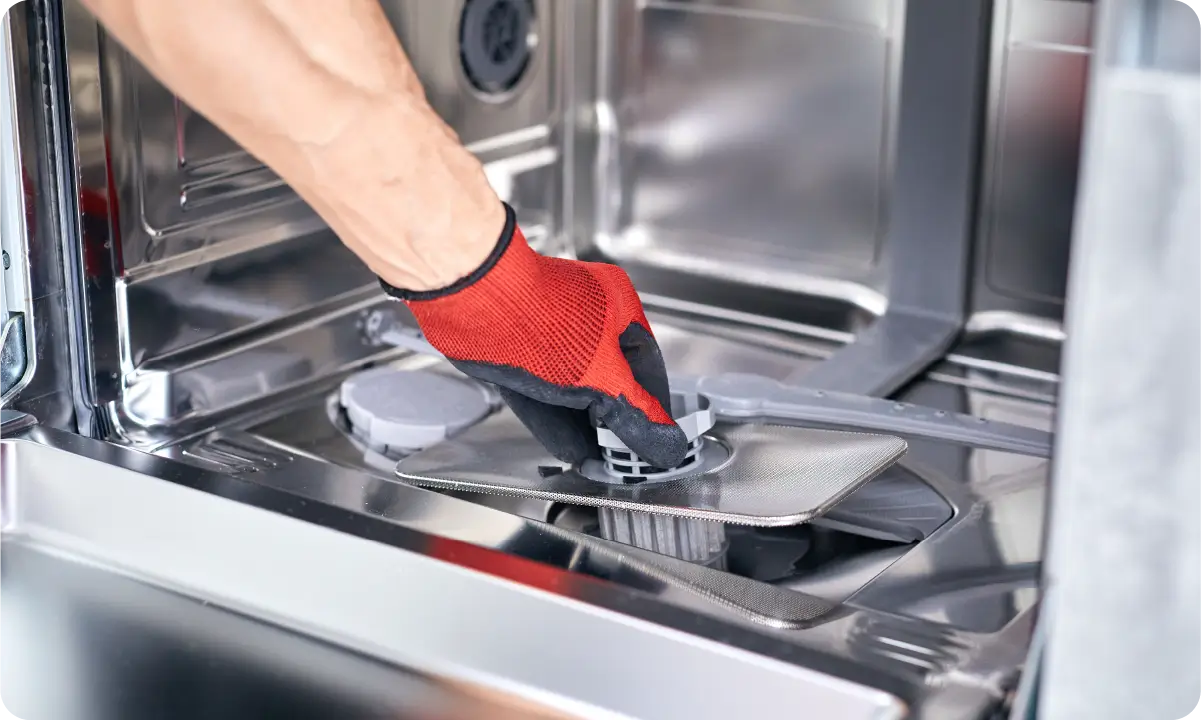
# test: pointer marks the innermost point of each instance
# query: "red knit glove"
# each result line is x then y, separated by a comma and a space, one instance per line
562, 340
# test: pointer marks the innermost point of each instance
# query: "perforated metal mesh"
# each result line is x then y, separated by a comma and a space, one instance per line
772, 476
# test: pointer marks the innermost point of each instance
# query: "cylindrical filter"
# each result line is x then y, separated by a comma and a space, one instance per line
692, 414
697, 541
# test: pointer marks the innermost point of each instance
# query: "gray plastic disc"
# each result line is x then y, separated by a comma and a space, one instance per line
410, 409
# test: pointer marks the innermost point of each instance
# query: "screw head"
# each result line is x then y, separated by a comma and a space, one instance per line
7, 262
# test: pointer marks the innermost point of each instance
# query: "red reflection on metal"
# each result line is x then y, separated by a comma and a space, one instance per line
99, 222
500, 564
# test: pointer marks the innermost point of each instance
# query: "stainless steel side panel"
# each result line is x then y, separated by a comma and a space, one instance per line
1038, 74
747, 138
194, 262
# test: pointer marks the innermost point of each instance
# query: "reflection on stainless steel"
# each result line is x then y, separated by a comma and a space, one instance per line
94, 630
17, 336
269, 556
689, 173
198, 537
897, 506
642, 73
14, 359
932, 199
838, 582
51, 388
706, 96
1040, 58
764, 475
194, 250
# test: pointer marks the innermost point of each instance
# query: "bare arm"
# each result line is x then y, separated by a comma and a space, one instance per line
321, 91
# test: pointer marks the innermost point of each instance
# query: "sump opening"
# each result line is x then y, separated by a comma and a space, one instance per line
823, 561
832, 556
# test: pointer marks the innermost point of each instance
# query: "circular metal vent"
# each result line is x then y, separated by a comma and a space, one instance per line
495, 42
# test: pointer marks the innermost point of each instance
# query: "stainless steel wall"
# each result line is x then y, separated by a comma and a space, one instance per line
742, 140
745, 139
753, 140
1040, 58
203, 280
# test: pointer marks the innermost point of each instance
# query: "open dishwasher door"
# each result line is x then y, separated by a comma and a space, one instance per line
192, 484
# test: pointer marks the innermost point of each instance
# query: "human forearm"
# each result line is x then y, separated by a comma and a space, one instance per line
321, 91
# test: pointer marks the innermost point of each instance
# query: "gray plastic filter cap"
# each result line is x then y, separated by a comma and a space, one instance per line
410, 409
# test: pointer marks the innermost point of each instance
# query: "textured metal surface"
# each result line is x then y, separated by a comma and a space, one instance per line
976, 571
775, 475
1126, 494
959, 590
237, 274
698, 541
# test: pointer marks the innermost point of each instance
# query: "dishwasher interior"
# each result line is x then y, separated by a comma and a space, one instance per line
845, 216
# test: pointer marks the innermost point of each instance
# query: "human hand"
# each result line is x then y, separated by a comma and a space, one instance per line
565, 342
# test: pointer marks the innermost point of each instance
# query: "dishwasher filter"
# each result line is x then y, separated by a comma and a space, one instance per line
446, 432
738, 470
748, 473
691, 412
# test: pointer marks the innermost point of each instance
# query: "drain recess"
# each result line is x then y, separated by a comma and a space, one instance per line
495, 42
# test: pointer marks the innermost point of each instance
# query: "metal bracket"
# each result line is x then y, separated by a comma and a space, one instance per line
943, 76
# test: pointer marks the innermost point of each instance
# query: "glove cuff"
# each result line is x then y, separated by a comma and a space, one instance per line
502, 244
